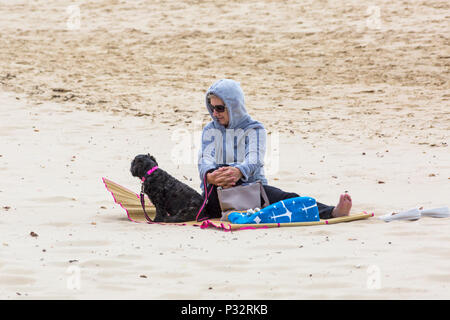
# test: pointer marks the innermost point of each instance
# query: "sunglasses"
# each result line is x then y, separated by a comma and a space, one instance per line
218, 108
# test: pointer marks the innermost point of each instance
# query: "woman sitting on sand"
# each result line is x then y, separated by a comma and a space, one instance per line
234, 139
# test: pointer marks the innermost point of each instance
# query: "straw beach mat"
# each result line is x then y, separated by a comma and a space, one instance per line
131, 203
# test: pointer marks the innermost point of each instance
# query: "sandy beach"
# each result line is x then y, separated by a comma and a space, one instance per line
354, 96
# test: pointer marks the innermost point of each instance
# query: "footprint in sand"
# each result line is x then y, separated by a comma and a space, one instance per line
53, 199
83, 243
15, 280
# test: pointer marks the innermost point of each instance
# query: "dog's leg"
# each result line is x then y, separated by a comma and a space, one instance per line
186, 214
161, 214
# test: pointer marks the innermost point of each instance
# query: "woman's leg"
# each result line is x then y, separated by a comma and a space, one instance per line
274, 195
213, 210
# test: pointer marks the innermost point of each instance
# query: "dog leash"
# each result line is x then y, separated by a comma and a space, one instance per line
149, 172
142, 195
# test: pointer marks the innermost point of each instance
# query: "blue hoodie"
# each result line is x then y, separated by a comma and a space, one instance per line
242, 144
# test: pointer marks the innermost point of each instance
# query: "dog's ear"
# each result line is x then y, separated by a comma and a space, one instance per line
153, 158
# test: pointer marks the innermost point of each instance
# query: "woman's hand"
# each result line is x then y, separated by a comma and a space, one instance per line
224, 177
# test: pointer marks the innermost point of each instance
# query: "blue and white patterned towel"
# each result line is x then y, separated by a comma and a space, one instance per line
300, 209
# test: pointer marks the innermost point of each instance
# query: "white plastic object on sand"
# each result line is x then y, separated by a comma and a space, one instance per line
411, 214
442, 212
415, 213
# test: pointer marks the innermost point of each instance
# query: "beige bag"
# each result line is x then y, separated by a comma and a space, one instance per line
242, 198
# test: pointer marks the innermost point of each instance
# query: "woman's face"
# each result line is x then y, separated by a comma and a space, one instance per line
222, 117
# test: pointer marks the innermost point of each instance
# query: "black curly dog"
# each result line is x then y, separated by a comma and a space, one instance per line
174, 200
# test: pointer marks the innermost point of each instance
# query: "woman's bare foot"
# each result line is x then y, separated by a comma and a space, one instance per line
343, 207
